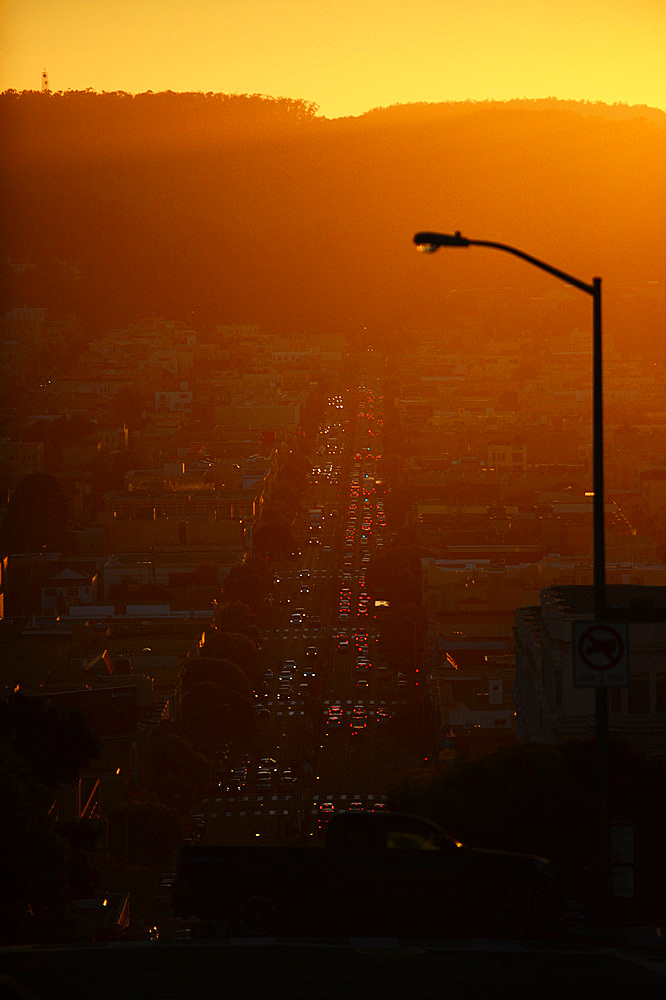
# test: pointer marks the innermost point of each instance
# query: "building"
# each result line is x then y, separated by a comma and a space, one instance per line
551, 708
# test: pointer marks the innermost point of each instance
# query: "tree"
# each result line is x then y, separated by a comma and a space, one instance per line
236, 617
206, 669
237, 648
36, 516
128, 406
214, 715
145, 834
250, 583
55, 743
541, 799
41, 748
181, 775
296, 470
274, 536
274, 539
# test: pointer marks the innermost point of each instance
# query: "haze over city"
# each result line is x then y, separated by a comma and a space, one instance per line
325, 619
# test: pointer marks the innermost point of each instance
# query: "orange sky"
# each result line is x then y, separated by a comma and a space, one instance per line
346, 56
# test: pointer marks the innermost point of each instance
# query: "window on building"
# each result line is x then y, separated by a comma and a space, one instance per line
639, 695
661, 692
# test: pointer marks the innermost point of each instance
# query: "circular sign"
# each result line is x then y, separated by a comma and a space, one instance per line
600, 647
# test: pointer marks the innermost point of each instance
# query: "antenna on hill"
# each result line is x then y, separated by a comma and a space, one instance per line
45, 82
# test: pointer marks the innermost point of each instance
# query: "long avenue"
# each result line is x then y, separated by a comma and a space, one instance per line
324, 739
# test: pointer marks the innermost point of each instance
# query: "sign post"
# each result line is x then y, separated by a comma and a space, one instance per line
601, 661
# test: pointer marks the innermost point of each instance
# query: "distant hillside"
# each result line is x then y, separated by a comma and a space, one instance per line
451, 109
249, 208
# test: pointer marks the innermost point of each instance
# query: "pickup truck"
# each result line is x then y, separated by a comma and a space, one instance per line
379, 874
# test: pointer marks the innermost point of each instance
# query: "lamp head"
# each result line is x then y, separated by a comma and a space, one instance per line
429, 242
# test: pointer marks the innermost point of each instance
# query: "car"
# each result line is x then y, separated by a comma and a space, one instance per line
296, 618
356, 806
311, 652
326, 810
287, 780
264, 781
268, 764
289, 665
236, 780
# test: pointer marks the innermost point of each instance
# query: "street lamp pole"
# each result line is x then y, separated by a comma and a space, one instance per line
428, 242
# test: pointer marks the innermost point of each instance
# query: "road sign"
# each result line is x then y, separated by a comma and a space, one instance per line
600, 654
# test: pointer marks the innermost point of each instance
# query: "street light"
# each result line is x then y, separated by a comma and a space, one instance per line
430, 242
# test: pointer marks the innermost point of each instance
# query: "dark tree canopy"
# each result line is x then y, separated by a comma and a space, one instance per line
237, 648
36, 517
57, 744
542, 800
250, 583
215, 715
236, 617
181, 775
144, 834
41, 748
227, 674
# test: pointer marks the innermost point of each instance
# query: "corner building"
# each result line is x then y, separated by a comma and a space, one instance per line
549, 708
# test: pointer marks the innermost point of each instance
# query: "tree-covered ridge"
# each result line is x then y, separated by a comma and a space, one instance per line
246, 208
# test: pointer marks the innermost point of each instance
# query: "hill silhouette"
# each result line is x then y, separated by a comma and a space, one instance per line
246, 208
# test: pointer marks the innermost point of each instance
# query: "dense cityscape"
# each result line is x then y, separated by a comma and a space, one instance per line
273, 603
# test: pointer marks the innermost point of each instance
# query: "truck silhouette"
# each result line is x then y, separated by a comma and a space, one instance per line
378, 874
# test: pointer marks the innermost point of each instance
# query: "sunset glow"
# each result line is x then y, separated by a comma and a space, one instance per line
344, 57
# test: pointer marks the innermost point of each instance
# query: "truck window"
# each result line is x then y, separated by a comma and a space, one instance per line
409, 834
400, 840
